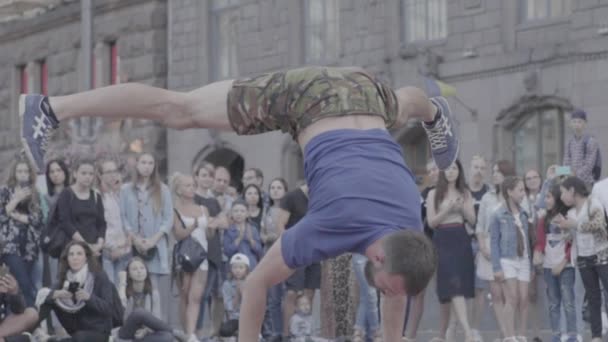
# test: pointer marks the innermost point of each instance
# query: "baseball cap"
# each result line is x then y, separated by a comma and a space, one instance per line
239, 258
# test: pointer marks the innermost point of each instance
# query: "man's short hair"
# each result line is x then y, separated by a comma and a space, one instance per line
412, 255
258, 172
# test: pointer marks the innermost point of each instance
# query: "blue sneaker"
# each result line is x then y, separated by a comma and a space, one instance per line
442, 135
37, 125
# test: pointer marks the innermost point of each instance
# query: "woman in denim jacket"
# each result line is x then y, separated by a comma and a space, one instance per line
510, 251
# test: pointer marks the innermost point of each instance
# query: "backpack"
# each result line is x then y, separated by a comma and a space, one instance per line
596, 171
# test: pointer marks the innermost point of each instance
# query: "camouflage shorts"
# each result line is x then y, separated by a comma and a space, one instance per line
292, 100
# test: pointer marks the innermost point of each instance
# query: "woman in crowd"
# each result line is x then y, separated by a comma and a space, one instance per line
242, 236
204, 177
532, 185
117, 247
80, 210
449, 207
255, 206
269, 234
82, 299
511, 256
190, 220
553, 251
57, 177
147, 213
491, 201
20, 225
590, 247
142, 307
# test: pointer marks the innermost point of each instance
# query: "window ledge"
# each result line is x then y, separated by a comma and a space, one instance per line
413, 48
541, 23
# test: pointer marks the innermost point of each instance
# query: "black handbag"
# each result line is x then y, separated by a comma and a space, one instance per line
53, 238
188, 254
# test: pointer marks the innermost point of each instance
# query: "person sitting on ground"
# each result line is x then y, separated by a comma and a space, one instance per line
142, 307
82, 299
16, 321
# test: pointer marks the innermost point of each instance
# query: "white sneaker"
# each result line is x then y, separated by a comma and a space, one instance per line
193, 338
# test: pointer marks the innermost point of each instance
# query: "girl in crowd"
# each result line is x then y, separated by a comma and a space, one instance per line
255, 206
82, 299
269, 234
450, 205
142, 307
147, 213
117, 247
242, 236
20, 224
586, 220
552, 251
190, 220
511, 256
80, 209
491, 201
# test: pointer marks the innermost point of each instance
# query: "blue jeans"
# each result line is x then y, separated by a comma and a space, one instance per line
112, 268
367, 312
23, 271
211, 287
560, 292
275, 312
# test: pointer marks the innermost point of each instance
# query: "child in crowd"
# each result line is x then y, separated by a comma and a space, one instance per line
239, 268
301, 325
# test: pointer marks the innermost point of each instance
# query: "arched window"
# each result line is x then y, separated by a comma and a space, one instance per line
538, 140
532, 132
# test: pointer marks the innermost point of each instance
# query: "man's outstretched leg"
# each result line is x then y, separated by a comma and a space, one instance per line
202, 108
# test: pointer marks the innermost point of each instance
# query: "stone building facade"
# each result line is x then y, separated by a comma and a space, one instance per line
518, 66
42, 54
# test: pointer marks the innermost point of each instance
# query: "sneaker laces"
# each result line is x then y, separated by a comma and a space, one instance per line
437, 135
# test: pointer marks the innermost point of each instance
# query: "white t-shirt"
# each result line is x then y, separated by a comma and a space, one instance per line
555, 246
585, 242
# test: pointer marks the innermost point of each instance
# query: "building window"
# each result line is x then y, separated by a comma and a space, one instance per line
23, 81
424, 20
224, 19
114, 63
44, 77
321, 31
538, 140
544, 9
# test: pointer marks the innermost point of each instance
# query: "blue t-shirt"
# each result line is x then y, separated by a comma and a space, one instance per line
359, 190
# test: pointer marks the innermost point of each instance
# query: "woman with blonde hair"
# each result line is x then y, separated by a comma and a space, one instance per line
190, 220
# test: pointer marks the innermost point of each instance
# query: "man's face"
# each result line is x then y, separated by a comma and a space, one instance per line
578, 125
433, 173
388, 284
249, 177
110, 175
478, 170
221, 181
